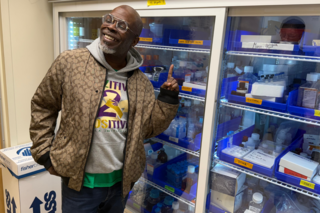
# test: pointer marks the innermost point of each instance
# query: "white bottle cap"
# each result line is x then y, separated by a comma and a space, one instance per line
265, 145
191, 169
230, 65
154, 156
303, 154
175, 205
312, 77
278, 148
183, 63
257, 198
248, 69
255, 136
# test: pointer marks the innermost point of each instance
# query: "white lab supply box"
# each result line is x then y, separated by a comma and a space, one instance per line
28, 187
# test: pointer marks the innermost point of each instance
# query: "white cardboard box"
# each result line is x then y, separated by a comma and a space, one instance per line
299, 164
28, 187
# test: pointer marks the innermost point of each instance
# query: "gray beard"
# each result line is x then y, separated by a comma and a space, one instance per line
105, 49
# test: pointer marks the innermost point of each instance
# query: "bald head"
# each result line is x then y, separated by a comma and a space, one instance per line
135, 22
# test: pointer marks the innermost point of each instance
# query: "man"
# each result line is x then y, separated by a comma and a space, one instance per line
107, 109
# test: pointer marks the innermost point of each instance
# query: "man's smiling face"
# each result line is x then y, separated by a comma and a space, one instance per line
115, 41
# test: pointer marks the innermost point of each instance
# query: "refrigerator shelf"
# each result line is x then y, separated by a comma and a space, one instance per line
167, 192
191, 152
172, 48
270, 180
183, 95
275, 56
283, 115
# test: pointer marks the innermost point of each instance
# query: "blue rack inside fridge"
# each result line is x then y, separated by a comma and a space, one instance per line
192, 91
228, 126
280, 107
237, 140
159, 178
312, 187
300, 111
148, 37
183, 142
225, 85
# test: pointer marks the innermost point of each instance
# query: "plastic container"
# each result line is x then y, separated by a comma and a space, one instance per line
167, 205
311, 79
230, 72
191, 178
248, 78
175, 207
256, 205
152, 199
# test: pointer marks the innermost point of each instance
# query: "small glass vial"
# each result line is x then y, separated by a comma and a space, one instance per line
256, 205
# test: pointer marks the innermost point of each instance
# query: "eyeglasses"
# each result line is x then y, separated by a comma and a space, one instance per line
121, 25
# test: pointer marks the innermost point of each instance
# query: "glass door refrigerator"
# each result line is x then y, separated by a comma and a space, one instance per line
266, 149
185, 38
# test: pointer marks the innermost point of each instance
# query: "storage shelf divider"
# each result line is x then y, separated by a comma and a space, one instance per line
194, 153
275, 56
167, 192
269, 179
272, 113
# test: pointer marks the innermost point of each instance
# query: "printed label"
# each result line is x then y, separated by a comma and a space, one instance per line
169, 188
254, 209
197, 42
268, 46
243, 163
309, 98
176, 140
307, 184
317, 112
188, 89
156, 2
146, 39
253, 101
137, 206
150, 168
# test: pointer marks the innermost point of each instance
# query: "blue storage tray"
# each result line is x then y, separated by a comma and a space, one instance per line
150, 38
190, 36
228, 126
237, 140
291, 179
280, 107
225, 85
300, 111
192, 91
159, 178
195, 146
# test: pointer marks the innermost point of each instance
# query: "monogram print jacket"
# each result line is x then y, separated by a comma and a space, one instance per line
74, 86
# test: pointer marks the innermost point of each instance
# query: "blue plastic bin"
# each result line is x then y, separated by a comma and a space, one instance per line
160, 179
147, 37
228, 126
189, 38
237, 140
192, 91
300, 111
315, 188
195, 146
280, 107
225, 85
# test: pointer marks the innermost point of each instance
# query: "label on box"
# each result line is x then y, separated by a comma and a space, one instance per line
150, 168
293, 173
268, 46
197, 42
253, 101
243, 163
307, 184
188, 89
254, 209
176, 140
137, 206
169, 188
146, 39
187, 78
317, 112
156, 2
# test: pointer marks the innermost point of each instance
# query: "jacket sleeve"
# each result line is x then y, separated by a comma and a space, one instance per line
45, 106
164, 109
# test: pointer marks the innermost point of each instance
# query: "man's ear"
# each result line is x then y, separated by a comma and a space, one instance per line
135, 41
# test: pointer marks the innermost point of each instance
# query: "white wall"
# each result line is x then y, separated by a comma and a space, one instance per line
28, 53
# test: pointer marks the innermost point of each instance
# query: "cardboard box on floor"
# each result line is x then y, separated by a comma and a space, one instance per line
28, 187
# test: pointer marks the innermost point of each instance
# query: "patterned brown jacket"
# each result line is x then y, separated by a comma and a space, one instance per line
74, 86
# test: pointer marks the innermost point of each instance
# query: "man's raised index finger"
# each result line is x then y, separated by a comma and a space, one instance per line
170, 72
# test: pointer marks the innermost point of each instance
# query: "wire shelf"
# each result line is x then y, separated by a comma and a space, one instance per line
183, 95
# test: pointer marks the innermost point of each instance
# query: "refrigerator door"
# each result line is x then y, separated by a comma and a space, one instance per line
185, 38
266, 134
